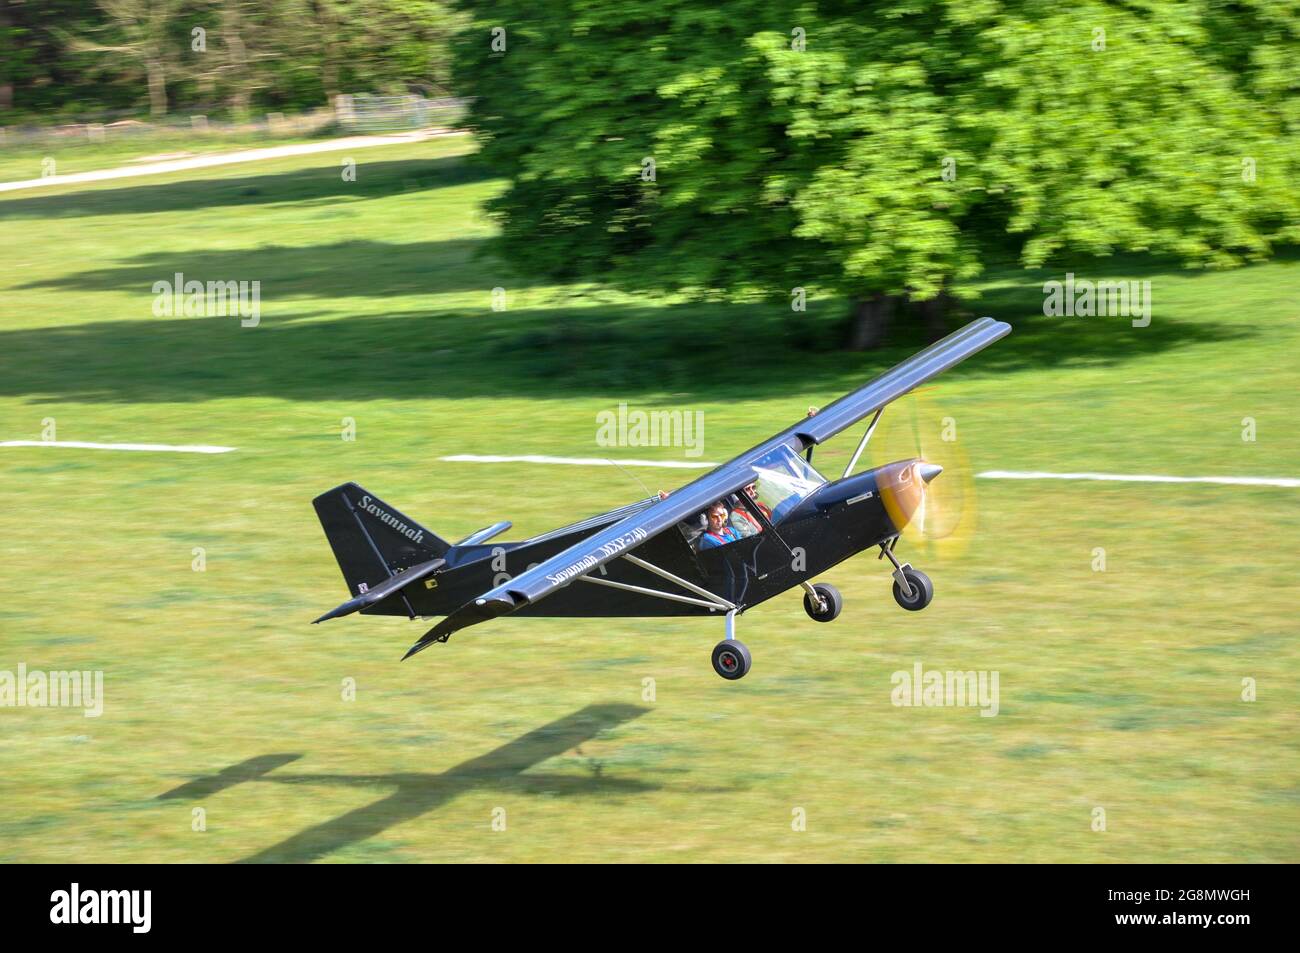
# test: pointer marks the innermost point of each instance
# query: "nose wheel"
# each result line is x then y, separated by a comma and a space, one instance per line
919, 592
913, 589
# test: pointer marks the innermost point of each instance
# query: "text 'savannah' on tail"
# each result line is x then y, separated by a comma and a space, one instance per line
372, 540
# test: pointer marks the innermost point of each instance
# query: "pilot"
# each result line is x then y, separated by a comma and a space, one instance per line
718, 533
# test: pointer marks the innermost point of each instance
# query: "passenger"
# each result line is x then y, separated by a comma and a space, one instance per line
743, 522
719, 533
751, 491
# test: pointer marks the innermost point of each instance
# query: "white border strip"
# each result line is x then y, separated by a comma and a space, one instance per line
1138, 478
82, 445
583, 461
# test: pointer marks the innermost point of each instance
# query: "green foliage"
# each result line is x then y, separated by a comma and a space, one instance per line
806, 144
86, 58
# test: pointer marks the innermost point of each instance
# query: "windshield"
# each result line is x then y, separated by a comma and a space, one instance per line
782, 480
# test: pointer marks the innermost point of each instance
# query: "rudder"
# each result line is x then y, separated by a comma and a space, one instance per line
372, 540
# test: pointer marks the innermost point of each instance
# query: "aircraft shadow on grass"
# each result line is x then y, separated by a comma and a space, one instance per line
414, 795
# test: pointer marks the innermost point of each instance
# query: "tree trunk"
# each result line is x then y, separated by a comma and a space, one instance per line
934, 314
6, 86
241, 97
157, 88
870, 321
330, 57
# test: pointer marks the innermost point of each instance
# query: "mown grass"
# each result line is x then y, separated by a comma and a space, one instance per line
1118, 689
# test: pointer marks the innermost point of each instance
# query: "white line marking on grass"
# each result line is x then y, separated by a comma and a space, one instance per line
582, 461
987, 474
230, 158
82, 445
1138, 478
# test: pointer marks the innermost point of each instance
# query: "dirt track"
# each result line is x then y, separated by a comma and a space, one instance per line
229, 158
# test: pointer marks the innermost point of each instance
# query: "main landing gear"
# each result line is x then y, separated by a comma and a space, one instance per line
822, 602
731, 659
913, 589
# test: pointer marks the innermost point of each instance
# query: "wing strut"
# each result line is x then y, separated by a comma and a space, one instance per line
642, 590
871, 427
709, 601
716, 600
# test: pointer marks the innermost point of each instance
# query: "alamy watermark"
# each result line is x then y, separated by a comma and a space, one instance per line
655, 428
25, 689
213, 299
1086, 299
130, 907
935, 689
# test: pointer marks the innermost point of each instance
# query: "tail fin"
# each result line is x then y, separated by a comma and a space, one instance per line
370, 539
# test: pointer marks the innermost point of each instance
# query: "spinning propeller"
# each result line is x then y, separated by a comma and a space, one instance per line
944, 516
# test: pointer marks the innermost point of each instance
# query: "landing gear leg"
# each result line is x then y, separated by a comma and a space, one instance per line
818, 603
731, 659
912, 588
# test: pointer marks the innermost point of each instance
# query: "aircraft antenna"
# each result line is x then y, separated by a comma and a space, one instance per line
637, 478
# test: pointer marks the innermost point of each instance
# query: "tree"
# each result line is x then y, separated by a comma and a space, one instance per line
138, 36
877, 153
10, 51
86, 56
370, 45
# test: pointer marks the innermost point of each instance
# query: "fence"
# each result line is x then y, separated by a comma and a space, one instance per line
365, 113
108, 129
356, 113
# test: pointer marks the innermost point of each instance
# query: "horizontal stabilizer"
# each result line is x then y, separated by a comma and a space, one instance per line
483, 535
385, 589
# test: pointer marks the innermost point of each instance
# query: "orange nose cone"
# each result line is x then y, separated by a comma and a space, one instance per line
902, 486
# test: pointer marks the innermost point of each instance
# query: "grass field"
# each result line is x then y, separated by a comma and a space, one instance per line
1119, 690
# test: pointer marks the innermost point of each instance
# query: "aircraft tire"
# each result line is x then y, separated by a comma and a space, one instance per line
731, 659
922, 590
834, 603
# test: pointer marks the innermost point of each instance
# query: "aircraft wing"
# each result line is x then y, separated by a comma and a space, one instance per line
632, 531
594, 551
896, 382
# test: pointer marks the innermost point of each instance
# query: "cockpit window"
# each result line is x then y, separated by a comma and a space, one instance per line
782, 480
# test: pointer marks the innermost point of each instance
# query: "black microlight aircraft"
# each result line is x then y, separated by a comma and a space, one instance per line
760, 524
